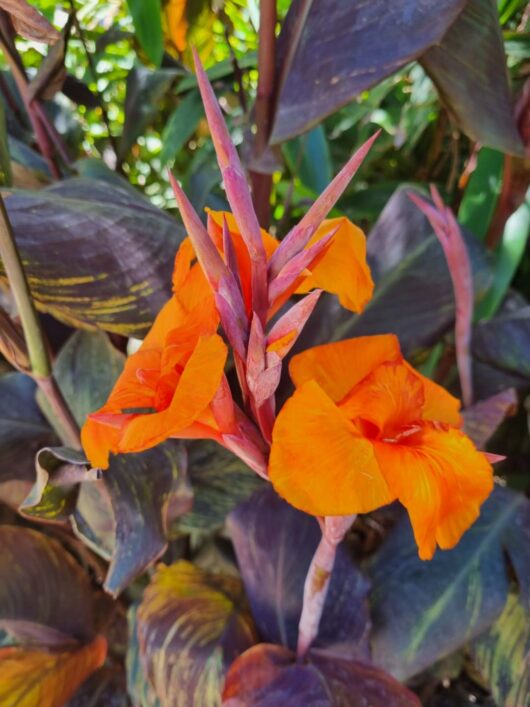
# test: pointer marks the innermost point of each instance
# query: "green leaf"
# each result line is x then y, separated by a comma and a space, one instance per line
180, 126
309, 159
469, 69
145, 90
147, 18
138, 687
501, 655
219, 481
191, 626
482, 192
95, 255
508, 258
53, 496
423, 611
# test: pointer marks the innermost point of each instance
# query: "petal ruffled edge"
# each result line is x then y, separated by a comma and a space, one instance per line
318, 464
442, 481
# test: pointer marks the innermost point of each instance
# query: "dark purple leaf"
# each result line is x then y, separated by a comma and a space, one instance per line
274, 544
413, 296
42, 588
469, 69
482, 419
268, 675
23, 429
330, 51
95, 254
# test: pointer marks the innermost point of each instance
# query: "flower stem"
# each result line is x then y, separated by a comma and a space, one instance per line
316, 587
39, 359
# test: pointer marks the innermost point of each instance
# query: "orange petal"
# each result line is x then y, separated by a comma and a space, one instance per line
98, 441
343, 269
339, 366
318, 464
439, 405
197, 386
165, 320
391, 398
441, 479
269, 241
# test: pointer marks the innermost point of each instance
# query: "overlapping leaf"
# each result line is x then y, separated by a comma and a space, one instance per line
45, 596
423, 611
468, 68
414, 296
23, 429
331, 51
30, 677
268, 675
124, 514
501, 654
219, 481
95, 256
274, 545
191, 626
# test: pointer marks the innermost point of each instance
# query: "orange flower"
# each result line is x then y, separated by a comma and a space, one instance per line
364, 428
341, 269
173, 386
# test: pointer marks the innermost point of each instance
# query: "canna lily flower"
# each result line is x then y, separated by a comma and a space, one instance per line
173, 386
363, 428
336, 262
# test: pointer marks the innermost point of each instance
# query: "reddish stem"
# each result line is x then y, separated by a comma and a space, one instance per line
316, 587
262, 183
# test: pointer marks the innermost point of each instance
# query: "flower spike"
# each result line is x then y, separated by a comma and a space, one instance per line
237, 190
448, 233
300, 235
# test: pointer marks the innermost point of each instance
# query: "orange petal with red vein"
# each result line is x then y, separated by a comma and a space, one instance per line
441, 479
339, 366
196, 388
343, 269
390, 398
318, 464
439, 406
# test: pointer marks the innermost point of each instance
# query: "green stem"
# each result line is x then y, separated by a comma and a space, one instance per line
41, 369
38, 354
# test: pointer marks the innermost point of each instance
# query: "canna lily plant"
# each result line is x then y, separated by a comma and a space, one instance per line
361, 429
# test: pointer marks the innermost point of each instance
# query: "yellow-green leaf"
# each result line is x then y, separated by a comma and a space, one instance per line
191, 626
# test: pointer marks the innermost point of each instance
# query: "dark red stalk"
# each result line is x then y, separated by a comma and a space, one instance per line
262, 182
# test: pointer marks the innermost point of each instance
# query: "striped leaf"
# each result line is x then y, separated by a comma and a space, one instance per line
501, 655
61, 610
96, 255
191, 626
30, 677
423, 611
